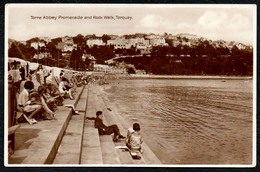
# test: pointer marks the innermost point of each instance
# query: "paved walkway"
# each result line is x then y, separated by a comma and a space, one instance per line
72, 140
38, 143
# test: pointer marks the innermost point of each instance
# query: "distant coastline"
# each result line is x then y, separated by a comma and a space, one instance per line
136, 76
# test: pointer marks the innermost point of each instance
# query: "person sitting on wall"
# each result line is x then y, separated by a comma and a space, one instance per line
48, 103
27, 106
65, 90
134, 139
106, 130
34, 78
53, 88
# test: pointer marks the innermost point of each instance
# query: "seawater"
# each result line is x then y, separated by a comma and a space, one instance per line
189, 121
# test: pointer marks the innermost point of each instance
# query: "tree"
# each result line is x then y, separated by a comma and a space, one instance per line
105, 38
79, 39
20, 50
131, 70
169, 42
55, 41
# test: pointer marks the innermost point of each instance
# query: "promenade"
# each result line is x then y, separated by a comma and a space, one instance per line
71, 140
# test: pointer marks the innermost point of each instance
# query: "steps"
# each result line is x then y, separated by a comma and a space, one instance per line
38, 144
96, 149
148, 157
107, 145
124, 157
73, 140
69, 151
91, 149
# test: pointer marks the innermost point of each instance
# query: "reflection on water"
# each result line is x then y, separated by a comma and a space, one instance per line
190, 121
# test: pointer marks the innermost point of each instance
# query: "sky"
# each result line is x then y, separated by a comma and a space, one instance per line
215, 22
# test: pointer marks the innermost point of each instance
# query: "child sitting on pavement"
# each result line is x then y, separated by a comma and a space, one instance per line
134, 139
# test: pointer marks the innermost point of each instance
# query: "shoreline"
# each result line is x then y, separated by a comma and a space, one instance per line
130, 115
147, 76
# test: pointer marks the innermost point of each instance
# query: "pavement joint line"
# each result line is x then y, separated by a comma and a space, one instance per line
48, 152
93, 101
72, 128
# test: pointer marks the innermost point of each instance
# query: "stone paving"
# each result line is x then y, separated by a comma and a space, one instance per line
72, 140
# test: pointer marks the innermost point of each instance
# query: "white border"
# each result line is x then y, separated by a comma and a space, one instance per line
253, 6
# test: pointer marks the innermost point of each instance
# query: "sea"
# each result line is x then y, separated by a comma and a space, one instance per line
189, 121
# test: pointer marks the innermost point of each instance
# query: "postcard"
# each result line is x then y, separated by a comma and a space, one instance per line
130, 85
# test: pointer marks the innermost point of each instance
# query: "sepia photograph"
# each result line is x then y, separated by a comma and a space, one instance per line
130, 85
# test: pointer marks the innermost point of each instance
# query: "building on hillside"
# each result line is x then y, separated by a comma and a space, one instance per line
92, 42
67, 39
102, 68
42, 55
67, 44
153, 36
187, 35
88, 56
23, 42
187, 43
46, 39
240, 46
66, 47
119, 43
158, 42
175, 42
38, 44
135, 41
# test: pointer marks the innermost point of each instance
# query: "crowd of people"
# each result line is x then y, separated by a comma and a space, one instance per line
39, 92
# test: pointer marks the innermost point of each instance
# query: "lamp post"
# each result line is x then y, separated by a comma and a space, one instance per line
83, 59
38, 52
60, 46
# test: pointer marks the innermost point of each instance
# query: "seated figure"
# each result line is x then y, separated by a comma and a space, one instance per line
134, 139
29, 107
48, 103
65, 90
106, 130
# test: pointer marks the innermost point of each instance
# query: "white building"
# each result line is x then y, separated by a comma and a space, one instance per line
139, 43
152, 36
102, 68
92, 42
66, 46
42, 55
135, 41
119, 43
158, 41
67, 40
35, 45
